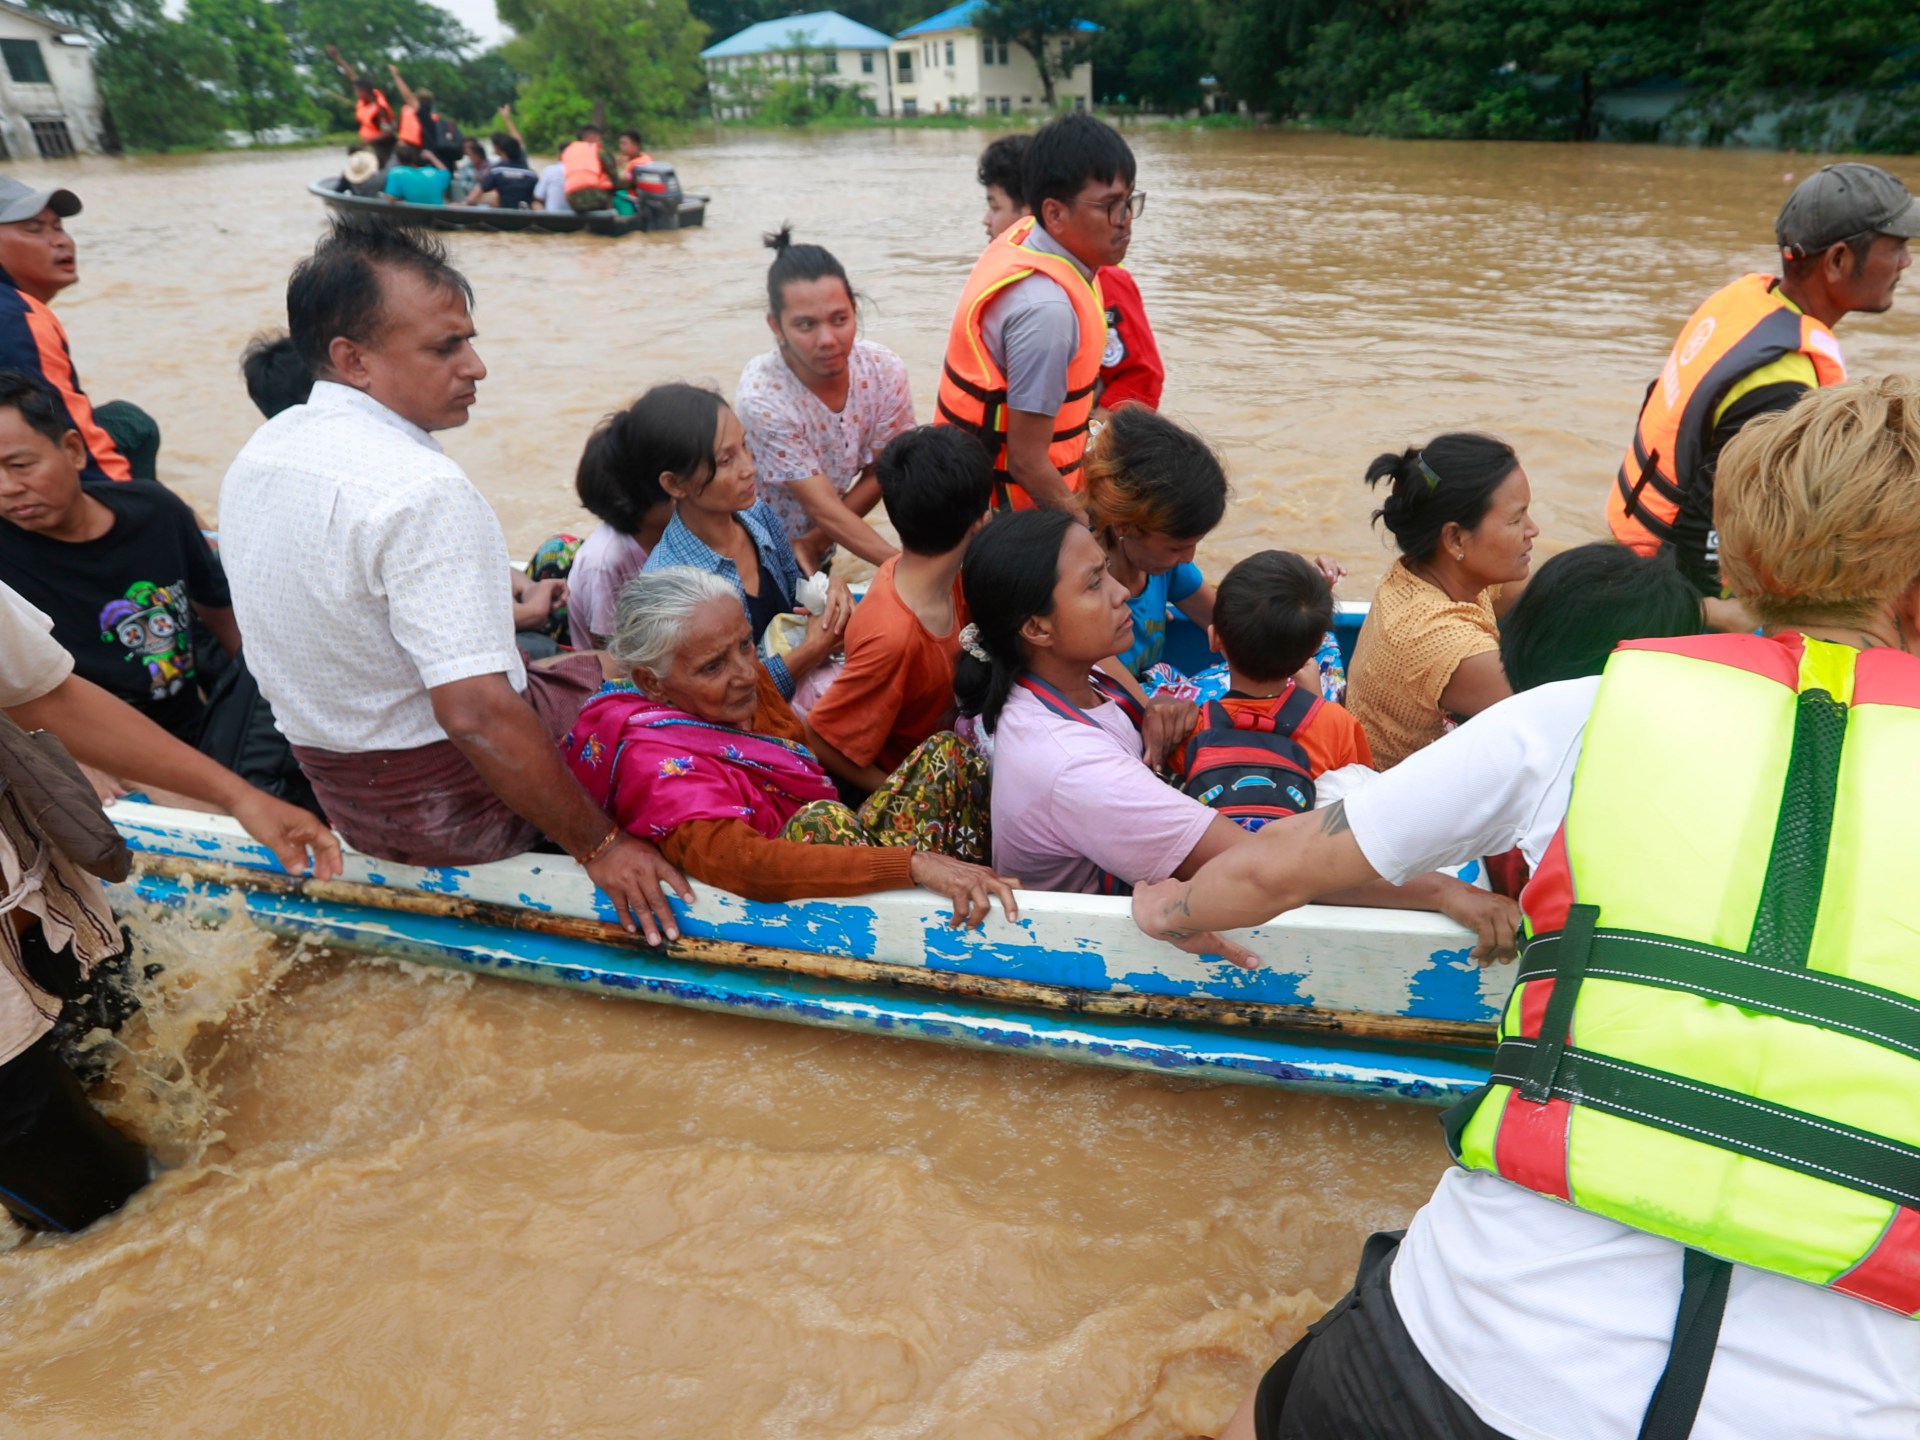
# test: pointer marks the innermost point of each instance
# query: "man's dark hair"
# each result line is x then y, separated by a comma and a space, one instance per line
1270, 613
338, 290
1798, 267
937, 482
1003, 163
588, 132
1066, 154
27, 394
406, 153
633, 135
1585, 601
277, 378
512, 149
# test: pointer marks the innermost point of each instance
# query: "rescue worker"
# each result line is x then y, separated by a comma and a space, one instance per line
372, 111
1030, 332
588, 172
422, 124
1685, 1203
1758, 345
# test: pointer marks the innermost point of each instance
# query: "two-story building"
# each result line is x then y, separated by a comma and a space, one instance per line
49, 105
825, 45
944, 64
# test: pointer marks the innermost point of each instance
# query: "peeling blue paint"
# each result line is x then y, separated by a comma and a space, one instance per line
1469, 873
1448, 988
534, 904
444, 879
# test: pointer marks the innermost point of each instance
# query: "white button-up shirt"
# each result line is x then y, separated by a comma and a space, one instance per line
365, 570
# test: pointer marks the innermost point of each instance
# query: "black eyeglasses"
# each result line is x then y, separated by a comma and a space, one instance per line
1134, 202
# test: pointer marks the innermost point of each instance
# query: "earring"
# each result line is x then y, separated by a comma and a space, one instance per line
1459, 554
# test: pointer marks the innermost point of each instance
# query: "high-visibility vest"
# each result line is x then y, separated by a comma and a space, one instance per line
410, 132
1715, 1031
581, 168
1742, 327
973, 390
374, 115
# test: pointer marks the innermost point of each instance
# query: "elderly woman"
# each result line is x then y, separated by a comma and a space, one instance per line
1687, 1156
704, 757
1429, 654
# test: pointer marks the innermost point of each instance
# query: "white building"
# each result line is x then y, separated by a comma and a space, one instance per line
825, 45
943, 64
49, 106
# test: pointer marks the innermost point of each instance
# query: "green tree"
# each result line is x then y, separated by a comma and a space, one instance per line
637, 59
154, 81
260, 89
1151, 54
1032, 24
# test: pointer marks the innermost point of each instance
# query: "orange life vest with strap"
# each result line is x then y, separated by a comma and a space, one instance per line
581, 168
1741, 328
375, 116
410, 132
973, 390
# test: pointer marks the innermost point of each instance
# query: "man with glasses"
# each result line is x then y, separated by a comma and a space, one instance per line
1030, 333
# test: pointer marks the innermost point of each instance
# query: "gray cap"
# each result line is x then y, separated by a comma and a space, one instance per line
22, 202
1840, 201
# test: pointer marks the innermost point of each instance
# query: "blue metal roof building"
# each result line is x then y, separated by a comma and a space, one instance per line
960, 17
822, 30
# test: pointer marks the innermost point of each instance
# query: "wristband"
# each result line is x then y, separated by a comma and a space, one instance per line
602, 848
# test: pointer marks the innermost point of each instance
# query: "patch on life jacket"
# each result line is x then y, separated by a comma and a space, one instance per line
1248, 766
1116, 350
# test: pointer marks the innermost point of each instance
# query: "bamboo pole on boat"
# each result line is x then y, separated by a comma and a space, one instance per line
1395, 1029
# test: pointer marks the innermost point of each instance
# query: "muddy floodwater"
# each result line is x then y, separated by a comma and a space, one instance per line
401, 1203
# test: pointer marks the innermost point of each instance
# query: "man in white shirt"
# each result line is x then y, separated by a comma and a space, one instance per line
551, 192
367, 570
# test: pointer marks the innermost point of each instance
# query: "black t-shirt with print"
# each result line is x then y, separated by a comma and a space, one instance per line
121, 604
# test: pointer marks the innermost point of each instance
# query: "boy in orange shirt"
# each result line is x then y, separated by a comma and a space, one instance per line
896, 688
1255, 753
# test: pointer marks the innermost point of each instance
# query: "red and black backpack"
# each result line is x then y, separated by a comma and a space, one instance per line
1248, 766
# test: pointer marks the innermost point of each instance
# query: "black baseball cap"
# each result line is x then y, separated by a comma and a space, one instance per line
1840, 201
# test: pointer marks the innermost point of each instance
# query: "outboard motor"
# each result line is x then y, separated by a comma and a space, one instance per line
657, 189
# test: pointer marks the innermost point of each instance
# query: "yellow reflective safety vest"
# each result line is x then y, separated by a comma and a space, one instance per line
1715, 1031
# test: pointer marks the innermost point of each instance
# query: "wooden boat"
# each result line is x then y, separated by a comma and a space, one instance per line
682, 214
1362, 1002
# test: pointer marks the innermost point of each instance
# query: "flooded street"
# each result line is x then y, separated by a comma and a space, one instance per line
402, 1203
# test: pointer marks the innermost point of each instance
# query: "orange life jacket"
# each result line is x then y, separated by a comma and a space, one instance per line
973, 390
581, 168
1740, 328
375, 116
410, 132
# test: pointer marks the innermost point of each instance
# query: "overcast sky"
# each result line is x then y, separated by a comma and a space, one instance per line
478, 16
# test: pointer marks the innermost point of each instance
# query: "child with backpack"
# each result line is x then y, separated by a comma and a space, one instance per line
1257, 752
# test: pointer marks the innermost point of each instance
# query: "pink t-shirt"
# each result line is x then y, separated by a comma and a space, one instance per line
794, 436
605, 561
1071, 801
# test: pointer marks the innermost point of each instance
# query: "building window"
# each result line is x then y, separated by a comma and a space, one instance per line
866, 62
986, 52
909, 108
26, 65
949, 54
52, 138
833, 62
906, 67
1003, 52
1006, 104
1025, 101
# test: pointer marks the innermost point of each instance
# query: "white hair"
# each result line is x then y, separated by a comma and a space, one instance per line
650, 617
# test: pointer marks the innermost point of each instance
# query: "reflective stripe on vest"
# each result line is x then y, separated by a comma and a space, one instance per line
1715, 1034
581, 168
1742, 327
973, 391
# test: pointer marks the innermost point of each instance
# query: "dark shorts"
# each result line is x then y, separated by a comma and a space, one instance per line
1357, 1375
428, 805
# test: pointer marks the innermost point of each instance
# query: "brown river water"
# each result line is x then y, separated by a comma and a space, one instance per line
405, 1203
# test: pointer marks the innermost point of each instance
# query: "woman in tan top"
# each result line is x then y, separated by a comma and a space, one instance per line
1429, 654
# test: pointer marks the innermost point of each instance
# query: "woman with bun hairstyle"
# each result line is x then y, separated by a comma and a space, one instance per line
1429, 654
820, 406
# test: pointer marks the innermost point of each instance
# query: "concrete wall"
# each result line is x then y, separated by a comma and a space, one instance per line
68, 95
844, 68
967, 81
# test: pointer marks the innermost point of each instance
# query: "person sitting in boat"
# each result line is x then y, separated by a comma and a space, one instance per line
372, 111
588, 172
471, 168
1673, 1211
896, 688
704, 757
416, 177
277, 378
366, 573
1076, 802
510, 182
1270, 617
720, 524
1429, 653
362, 174
618, 481
820, 405
1583, 603
631, 152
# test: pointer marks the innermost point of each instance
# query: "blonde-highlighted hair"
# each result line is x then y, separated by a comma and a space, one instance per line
1147, 473
1818, 506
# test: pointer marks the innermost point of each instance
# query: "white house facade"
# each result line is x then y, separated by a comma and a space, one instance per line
944, 65
824, 44
49, 104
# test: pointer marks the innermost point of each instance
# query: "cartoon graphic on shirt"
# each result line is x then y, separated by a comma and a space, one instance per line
154, 624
